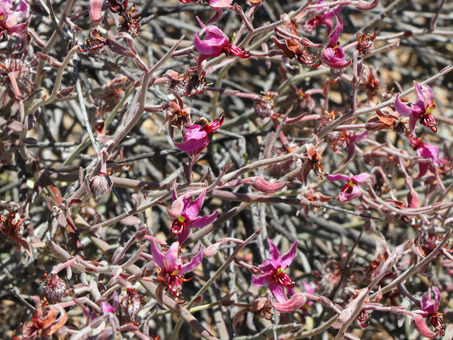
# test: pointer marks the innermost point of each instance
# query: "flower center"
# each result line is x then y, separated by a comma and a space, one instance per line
178, 226
283, 279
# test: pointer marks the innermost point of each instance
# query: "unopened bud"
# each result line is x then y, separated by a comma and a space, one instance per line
95, 11
99, 187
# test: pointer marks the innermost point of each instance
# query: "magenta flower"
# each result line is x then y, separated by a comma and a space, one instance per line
429, 310
213, 43
185, 214
333, 55
12, 20
427, 151
420, 110
351, 190
196, 137
214, 4
322, 19
172, 267
274, 272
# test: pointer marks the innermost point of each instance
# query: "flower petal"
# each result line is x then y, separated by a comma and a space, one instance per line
158, 258
262, 280
363, 177
338, 177
194, 262
171, 258
349, 196
289, 256
278, 291
213, 42
428, 94
194, 207
404, 110
203, 221
183, 235
274, 254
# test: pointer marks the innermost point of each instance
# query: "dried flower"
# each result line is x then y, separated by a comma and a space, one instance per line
187, 217
274, 272
351, 190
13, 226
420, 110
131, 304
365, 43
44, 322
54, 288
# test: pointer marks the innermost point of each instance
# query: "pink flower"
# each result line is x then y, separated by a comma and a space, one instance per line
214, 4
185, 216
333, 55
214, 43
274, 272
351, 190
196, 137
12, 20
426, 151
420, 110
171, 267
429, 310
322, 19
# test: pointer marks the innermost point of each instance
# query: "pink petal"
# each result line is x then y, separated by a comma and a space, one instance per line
196, 260
404, 110
428, 94
262, 280
349, 196
158, 258
201, 222
171, 258
23, 7
289, 256
334, 60
267, 266
363, 177
216, 17
336, 32
338, 177
213, 42
194, 207
278, 291
183, 235
219, 3
274, 254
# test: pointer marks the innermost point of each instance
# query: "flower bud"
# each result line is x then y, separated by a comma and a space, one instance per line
98, 187
95, 11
